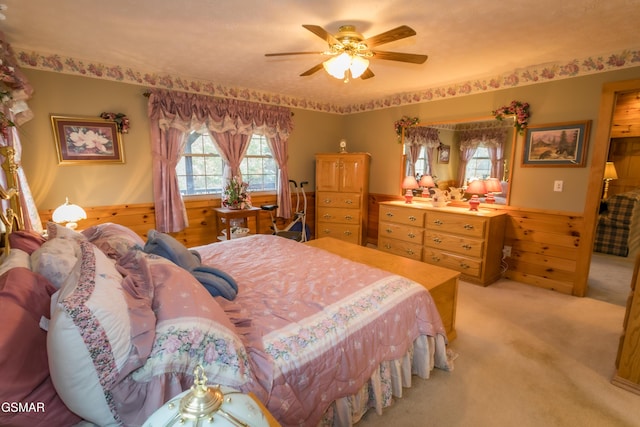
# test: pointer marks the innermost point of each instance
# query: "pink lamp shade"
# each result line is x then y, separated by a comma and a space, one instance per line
477, 187
493, 186
410, 183
426, 181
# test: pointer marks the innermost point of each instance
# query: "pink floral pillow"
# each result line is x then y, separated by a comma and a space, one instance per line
114, 240
25, 298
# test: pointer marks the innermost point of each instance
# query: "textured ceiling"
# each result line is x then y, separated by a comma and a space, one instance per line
224, 41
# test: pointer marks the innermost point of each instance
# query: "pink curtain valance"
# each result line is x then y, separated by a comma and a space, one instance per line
486, 137
187, 110
422, 136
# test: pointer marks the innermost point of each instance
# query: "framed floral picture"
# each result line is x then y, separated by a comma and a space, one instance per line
86, 140
558, 144
444, 152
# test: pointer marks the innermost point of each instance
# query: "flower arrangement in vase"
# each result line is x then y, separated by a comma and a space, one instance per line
236, 194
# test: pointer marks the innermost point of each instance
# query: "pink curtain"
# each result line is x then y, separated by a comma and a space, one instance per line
232, 148
16, 111
280, 152
231, 122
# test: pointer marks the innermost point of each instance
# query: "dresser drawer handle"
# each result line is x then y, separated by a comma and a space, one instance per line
348, 202
464, 266
411, 235
389, 214
387, 246
467, 247
435, 258
347, 233
468, 227
326, 216
437, 222
327, 200
327, 231
437, 240
410, 252
413, 218
348, 217
388, 230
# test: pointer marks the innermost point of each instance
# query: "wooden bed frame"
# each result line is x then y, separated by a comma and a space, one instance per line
442, 283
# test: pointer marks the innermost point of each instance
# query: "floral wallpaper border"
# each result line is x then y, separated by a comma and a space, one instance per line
519, 77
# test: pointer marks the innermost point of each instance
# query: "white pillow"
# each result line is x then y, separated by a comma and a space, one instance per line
55, 259
16, 258
89, 336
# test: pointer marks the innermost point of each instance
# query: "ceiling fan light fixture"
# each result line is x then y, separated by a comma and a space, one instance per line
338, 65
358, 66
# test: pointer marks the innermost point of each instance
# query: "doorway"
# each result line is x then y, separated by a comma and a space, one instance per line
608, 276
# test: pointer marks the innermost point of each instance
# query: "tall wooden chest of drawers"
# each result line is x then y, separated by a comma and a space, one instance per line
342, 188
466, 241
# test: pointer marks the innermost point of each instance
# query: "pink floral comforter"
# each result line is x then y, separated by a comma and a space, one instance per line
316, 325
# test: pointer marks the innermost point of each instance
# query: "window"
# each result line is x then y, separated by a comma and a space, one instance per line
479, 166
421, 163
201, 167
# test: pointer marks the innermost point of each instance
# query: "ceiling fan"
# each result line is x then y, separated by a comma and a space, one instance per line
350, 51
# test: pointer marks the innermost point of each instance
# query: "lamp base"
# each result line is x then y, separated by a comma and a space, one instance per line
490, 198
474, 202
408, 196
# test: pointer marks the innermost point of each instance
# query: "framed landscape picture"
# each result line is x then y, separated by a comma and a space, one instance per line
558, 144
86, 140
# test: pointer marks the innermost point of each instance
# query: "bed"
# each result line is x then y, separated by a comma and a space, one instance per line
104, 328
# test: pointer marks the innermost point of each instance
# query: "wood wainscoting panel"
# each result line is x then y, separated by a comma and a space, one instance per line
544, 248
201, 230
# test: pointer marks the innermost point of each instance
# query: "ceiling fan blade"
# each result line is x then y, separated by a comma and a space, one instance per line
312, 70
398, 33
399, 56
367, 74
322, 33
293, 53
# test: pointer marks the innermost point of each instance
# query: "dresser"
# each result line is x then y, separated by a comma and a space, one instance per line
342, 188
452, 237
627, 373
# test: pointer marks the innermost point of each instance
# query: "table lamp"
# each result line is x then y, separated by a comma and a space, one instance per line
476, 188
69, 213
409, 184
493, 186
426, 181
609, 175
208, 405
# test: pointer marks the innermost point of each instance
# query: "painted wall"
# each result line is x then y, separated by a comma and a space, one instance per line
99, 185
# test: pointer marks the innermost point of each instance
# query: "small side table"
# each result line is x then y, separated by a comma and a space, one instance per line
229, 214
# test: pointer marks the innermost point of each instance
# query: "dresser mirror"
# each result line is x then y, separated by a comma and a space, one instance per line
456, 152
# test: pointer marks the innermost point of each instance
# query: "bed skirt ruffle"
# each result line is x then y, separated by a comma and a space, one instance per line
388, 381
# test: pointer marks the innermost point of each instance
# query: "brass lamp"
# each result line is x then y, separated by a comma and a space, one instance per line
204, 405
609, 175
476, 188
409, 184
69, 213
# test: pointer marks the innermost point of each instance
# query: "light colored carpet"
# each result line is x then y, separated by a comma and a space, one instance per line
527, 357
609, 278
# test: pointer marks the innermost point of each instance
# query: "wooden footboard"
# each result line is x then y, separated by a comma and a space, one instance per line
442, 283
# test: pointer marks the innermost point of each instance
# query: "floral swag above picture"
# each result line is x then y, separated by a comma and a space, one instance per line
404, 122
520, 110
122, 121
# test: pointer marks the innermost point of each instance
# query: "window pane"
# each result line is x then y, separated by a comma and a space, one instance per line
201, 168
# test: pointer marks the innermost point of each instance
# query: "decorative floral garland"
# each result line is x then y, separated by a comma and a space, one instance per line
518, 109
122, 121
404, 122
